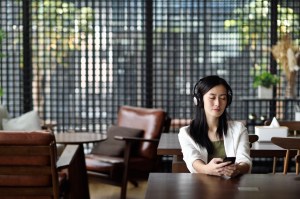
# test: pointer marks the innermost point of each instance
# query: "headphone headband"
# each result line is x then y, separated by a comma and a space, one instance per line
198, 98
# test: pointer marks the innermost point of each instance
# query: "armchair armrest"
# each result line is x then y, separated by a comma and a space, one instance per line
67, 156
135, 139
129, 141
48, 126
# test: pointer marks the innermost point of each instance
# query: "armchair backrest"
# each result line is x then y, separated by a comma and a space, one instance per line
28, 164
152, 121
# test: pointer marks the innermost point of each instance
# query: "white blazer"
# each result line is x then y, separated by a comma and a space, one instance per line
236, 144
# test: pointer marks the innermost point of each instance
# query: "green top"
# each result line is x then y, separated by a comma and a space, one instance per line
219, 150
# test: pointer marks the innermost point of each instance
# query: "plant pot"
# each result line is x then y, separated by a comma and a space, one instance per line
264, 93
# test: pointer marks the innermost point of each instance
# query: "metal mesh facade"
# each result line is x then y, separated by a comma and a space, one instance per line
76, 62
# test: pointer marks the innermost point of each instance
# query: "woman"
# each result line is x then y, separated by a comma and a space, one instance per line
211, 136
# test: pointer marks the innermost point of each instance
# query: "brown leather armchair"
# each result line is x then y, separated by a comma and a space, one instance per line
29, 167
130, 150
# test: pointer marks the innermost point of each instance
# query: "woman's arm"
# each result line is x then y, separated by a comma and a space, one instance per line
190, 150
243, 168
242, 148
215, 167
242, 151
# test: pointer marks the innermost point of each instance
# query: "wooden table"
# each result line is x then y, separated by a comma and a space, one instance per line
169, 145
266, 149
79, 190
195, 186
79, 138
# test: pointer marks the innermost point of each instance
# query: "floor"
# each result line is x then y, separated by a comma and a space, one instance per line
104, 191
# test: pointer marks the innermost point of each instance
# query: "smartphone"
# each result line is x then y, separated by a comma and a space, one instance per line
231, 159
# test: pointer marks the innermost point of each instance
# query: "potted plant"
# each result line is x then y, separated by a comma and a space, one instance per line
265, 82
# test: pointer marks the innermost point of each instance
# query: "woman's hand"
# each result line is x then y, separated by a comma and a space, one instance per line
219, 168
230, 170
236, 169
216, 167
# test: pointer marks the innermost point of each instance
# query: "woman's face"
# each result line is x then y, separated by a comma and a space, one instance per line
215, 101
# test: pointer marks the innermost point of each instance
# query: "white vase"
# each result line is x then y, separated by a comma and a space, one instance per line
265, 93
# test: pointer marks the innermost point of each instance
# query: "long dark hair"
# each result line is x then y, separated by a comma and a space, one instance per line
199, 127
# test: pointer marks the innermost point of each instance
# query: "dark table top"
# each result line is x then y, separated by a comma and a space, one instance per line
255, 98
79, 137
190, 186
169, 145
267, 149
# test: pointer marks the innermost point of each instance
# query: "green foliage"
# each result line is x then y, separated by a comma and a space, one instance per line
253, 21
1, 35
59, 28
1, 92
265, 79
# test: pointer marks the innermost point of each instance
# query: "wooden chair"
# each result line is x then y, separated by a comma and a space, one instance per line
288, 144
130, 149
179, 166
297, 159
294, 128
29, 167
252, 138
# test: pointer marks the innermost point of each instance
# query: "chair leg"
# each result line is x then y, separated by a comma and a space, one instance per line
286, 161
135, 183
124, 189
274, 164
125, 174
297, 159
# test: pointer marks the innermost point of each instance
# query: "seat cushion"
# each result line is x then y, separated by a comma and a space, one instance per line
29, 121
100, 163
3, 115
113, 147
105, 166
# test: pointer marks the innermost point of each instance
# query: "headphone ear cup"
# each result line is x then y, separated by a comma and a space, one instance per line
195, 101
198, 101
